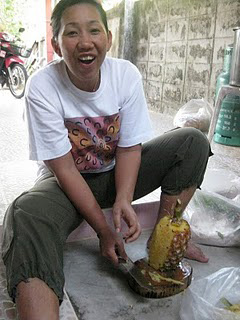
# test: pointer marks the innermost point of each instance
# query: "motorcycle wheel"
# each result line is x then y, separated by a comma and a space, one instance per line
19, 74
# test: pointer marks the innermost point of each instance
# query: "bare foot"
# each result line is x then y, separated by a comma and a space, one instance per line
195, 253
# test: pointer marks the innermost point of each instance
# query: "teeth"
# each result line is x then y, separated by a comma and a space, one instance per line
87, 58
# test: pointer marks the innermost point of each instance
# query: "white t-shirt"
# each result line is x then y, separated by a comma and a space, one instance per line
61, 117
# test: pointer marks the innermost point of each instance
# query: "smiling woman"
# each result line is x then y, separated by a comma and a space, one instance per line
82, 38
87, 119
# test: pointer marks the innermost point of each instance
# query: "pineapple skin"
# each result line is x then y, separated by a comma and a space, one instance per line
169, 243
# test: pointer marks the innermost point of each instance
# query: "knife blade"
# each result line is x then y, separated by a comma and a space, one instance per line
134, 272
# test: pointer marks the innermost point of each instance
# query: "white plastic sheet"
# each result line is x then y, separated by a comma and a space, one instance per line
222, 181
202, 300
214, 219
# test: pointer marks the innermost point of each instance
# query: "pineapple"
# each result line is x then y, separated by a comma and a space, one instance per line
169, 241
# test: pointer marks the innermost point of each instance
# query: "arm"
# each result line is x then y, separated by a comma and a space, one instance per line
135, 129
77, 190
126, 171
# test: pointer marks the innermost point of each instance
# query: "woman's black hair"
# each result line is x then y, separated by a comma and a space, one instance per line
62, 5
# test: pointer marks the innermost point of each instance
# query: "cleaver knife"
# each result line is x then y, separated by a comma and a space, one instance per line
133, 271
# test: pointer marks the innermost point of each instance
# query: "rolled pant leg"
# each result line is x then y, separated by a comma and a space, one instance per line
36, 226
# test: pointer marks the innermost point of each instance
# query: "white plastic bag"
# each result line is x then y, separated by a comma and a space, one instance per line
214, 219
202, 299
222, 181
195, 113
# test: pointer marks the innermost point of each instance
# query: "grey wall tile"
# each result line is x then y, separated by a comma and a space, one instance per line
197, 7
201, 27
177, 30
200, 51
178, 9
157, 31
159, 10
155, 71
174, 73
172, 93
192, 92
220, 45
225, 23
142, 32
225, 5
176, 51
198, 75
157, 52
154, 90
215, 71
142, 52
143, 67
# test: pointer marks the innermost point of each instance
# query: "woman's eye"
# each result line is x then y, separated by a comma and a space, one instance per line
71, 33
95, 31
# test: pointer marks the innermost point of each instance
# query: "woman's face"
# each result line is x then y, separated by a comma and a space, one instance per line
83, 43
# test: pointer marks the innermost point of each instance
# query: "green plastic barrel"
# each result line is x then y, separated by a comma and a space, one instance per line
227, 129
228, 124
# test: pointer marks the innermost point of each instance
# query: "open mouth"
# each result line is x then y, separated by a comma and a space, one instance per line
87, 59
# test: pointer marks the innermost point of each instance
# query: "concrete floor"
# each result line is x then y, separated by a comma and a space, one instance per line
98, 291
94, 288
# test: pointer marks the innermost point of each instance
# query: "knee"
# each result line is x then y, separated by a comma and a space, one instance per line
20, 199
22, 204
200, 141
10, 214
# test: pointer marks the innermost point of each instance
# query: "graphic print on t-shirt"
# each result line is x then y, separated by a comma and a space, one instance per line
94, 140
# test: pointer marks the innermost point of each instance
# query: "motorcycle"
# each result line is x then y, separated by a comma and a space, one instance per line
12, 70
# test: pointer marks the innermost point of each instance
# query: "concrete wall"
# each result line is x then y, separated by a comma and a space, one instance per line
177, 45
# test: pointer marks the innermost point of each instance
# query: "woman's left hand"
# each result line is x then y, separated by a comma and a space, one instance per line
122, 209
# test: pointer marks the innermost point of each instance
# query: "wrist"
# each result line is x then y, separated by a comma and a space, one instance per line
103, 230
124, 197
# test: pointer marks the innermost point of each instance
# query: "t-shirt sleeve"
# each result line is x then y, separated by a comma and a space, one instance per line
135, 121
48, 136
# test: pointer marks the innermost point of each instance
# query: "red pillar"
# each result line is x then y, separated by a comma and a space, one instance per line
49, 31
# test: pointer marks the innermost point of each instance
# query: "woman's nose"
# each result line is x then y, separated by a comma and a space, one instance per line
85, 42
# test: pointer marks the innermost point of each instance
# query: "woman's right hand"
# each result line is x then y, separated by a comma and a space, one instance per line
77, 190
111, 245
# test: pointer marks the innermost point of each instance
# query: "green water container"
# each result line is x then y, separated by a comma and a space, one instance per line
224, 76
227, 130
228, 124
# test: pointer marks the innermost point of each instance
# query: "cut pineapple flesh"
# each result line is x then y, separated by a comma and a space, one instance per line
169, 243
234, 308
231, 307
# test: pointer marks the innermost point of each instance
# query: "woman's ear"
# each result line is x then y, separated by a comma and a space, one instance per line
56, 47
109, 40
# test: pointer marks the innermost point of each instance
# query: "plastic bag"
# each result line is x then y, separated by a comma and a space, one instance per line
202, 299
195, 113
214, 219
222, 181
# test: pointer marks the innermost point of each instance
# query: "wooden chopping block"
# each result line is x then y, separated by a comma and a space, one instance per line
159, 284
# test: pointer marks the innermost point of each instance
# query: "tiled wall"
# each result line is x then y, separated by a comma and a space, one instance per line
178, 47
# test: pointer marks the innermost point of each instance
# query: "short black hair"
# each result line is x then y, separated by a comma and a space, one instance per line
62, 5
